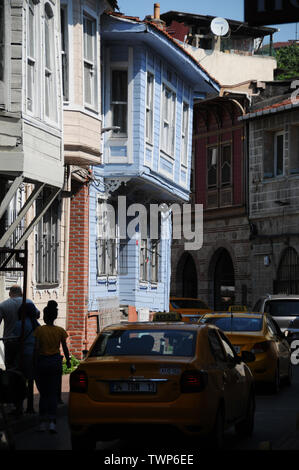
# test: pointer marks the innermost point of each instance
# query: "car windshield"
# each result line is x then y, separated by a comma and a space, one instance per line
188, 303
163, 342
236, 324
282, 308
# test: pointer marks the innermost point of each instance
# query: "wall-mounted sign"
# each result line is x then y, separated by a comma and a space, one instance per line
266, 12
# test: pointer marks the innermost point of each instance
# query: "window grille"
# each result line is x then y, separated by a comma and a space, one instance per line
47, 243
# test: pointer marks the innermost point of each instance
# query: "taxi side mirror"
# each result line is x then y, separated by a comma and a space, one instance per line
247, 356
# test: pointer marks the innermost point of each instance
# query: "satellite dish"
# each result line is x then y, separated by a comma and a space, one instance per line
219, 27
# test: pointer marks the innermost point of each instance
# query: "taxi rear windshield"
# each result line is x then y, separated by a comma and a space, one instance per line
182, 303
237, 324
145, 343
282, 308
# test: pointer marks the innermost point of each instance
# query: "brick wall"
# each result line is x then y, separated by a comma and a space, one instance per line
78, 271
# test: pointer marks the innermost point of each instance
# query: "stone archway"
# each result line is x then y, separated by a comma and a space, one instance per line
186, 277
223, 279
287, 281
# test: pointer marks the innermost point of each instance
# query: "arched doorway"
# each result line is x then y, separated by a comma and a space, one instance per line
287, 281
189, 278
224, 281
186, 277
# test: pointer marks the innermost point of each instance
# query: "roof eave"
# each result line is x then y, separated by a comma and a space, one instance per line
152, 34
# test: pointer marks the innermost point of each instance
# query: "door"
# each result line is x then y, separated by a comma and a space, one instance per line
189, 276
224, 282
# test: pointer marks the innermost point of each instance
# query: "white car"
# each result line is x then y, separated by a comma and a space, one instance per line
283, 308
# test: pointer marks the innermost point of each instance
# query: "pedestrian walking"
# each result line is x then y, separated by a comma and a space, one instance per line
9, 314
48, 365
24, 329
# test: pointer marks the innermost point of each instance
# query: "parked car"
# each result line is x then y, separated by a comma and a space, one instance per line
160, 377
283, 308
292, 332
260, 334
190, 309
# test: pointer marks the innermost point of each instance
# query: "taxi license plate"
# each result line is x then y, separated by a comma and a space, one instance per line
133, 387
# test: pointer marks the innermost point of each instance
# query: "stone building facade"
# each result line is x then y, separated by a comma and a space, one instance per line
273, 127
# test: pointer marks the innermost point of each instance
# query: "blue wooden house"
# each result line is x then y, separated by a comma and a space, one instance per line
149, 83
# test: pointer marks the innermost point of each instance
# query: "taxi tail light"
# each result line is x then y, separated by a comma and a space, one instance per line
193, 381
78, 381
260, 347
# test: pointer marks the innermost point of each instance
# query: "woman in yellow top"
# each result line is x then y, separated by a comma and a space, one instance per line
48, 363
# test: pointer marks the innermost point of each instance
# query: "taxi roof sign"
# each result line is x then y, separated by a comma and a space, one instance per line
237, 308
167, 316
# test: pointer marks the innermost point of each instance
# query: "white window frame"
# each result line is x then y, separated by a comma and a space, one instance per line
214, 163
119, 133
3, 46
49, 66
65, 52
31, 62
113, 140
149, 260
168, 120
143, 260
275, 162
106, 244
149, 118
154, 265
185, 134
90, 62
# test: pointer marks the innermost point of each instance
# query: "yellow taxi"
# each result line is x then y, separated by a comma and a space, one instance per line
260, 334
190, 309
161, 377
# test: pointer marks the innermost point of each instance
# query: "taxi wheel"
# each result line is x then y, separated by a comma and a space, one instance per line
217, 437
85, 442
245, 427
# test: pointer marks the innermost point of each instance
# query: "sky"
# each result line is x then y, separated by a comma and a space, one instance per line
230, 9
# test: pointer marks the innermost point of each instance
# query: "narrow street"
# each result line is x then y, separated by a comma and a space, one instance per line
276, 417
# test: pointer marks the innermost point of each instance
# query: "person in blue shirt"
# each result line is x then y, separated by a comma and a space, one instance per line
24, 329
9, 314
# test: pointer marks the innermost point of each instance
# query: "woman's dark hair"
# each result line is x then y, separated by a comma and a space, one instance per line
52, 305
50, 314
